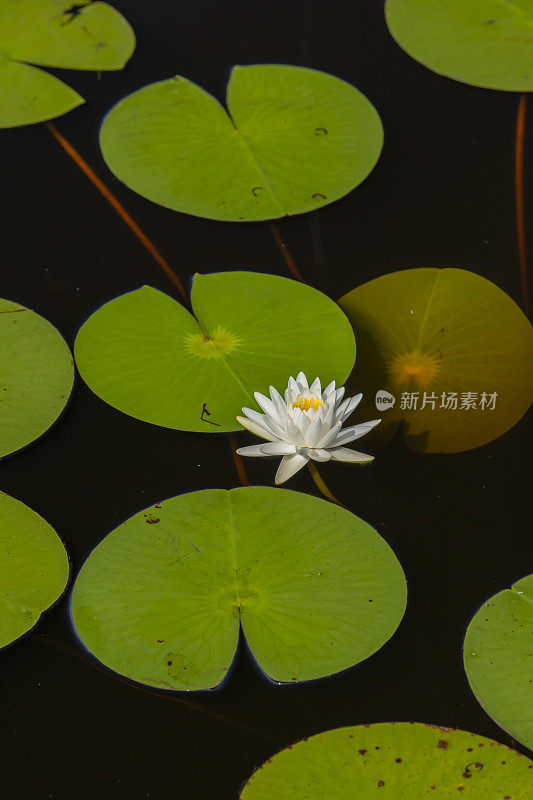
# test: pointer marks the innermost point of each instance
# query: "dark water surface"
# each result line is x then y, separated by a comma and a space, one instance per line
441, 195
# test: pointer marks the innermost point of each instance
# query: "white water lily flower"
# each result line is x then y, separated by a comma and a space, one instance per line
307, 424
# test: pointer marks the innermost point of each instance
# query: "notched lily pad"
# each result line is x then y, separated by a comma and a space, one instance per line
33, 568
54, 33
315, 589
36, 376
146, 355
292, 140
486, 43
395, 761
443, 351
498, 658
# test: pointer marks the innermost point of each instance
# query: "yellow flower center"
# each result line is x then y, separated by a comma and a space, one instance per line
305, 403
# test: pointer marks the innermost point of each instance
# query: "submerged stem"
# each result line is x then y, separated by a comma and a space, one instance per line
239, 466
285, 252
71, 151
315, 474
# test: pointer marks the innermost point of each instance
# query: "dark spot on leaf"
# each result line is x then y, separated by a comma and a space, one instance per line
381, 783
362, 752
318, 196
475, 766
321, 131
398, 760
443, 744
73, 11
256, 189
152, 521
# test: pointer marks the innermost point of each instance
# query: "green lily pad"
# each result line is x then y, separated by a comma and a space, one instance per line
33, 568
146, 355
449, 341
54, 33
498, 658
36, 376
161, 599
486, 43
292, 140
393, 761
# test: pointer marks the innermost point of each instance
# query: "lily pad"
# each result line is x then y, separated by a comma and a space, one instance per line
498, 658
486, 43
36, 376
146, 355
161, 599
395, 761
54, 33
450, 342
292, 140
33, 568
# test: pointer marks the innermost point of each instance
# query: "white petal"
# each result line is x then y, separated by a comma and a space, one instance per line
345, 454
267, 405
289, 466
317, 454
293, 386
266, 422
251, 450
313, 433
277, 448
302, 380
279, 402
329, 418
344, 411
294, 432
330, 389
355, 432
340, 409
352, 405
330, 437
326, 419
253, 427
301, 420
316, 387
339, 394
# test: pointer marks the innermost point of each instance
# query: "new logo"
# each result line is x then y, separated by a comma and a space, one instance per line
384, 400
